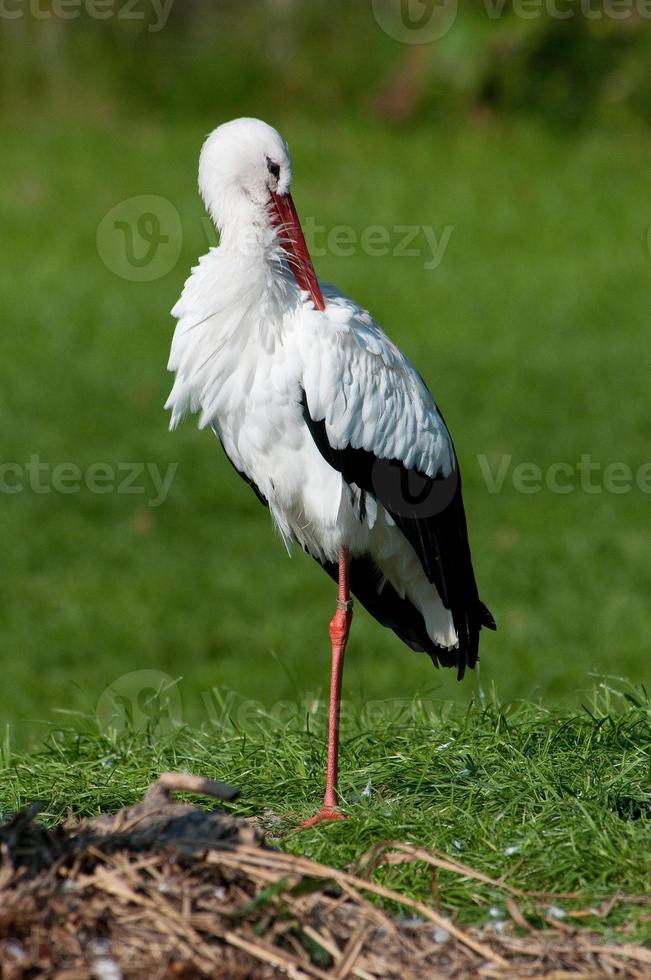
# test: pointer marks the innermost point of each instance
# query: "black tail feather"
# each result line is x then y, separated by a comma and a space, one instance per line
486, 617
407, 622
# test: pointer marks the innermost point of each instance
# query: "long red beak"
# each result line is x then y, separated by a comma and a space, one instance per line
285, 218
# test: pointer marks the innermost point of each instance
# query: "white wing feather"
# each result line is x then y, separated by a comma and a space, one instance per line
368, 392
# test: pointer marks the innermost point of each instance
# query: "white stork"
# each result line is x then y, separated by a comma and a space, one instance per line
327, 421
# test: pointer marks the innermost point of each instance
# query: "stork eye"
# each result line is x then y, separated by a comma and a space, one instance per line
273, 168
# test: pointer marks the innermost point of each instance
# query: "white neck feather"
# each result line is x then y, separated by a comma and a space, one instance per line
239, 295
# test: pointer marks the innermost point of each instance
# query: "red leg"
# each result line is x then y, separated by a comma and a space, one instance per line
339, 630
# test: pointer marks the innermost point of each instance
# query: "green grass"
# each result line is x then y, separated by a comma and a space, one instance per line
532, 333
551, 801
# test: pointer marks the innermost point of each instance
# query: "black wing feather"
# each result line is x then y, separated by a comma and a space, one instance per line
392, 611
429, 512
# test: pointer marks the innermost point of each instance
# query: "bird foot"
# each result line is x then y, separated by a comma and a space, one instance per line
325, 813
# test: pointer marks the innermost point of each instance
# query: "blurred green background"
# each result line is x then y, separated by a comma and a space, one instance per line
523, 139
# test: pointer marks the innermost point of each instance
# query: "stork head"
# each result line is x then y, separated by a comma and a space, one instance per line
245, 174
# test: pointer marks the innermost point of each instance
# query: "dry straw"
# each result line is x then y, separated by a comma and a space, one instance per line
165, 889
